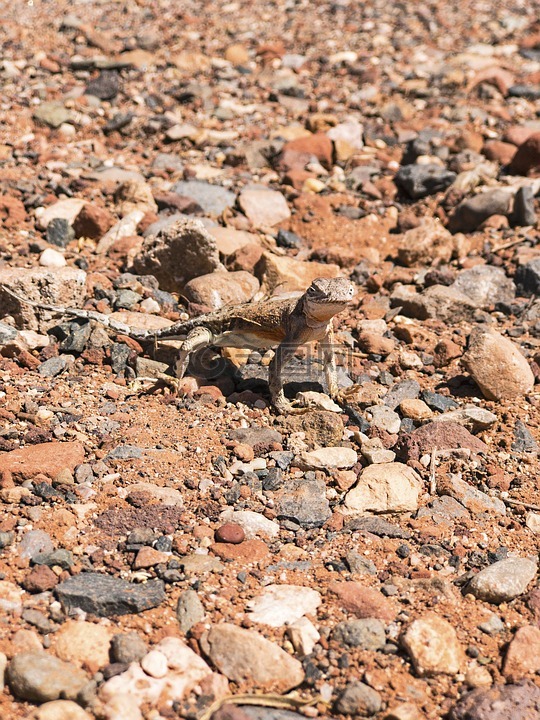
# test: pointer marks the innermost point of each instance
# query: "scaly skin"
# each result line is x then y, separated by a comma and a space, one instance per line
287, 323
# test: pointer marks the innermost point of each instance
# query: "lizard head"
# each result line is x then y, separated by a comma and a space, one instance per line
326, 297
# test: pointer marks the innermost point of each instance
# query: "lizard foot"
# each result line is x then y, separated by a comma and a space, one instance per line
347, 395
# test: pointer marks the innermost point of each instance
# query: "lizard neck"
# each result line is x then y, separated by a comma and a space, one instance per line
313, 322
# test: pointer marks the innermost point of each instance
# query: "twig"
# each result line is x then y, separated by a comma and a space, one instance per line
282, 702
527, 506
511, 243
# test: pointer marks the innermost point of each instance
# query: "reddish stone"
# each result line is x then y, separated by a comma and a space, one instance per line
364, 602
518, 134
250, 551
246, 257
443, 436
297, 178
445, 351
527, 157
45, 458
523, 654
92, 222
501, 152
230, 533
148, 557
40, 579
12, 211
296, 154
181, 203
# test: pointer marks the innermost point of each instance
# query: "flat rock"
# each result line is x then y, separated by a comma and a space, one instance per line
363, 602
438, 301
474, 419
528, 277
500, 702
44, 458
281, 605
52, 113
442, 436
485, 285
429, 243
359, 700
364, 633
39, 678
59, 710
327, 458
304, 501
386, 487
189, 610
221, 288
431, 643
62, 210
124, 228
245, 656
285, 274
213, 199
177, 254
297, 153
497, 366
503, 580
228, 240
320, 427
263, 207
421, 180
249, 551
254, 524
472, 498
105, 595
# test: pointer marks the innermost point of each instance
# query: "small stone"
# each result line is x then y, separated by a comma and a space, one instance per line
285, 274
249, 551
375, 453
388, 487
254, 524
245, 656
304, 501
105, 86
59, 232
104, 595
503, 580
50, 258
523, 654
500, 702
230, 533
92, 222
527, 156
438, 301
52, 114
281, 605
433, 647
415, 409
359, 700
441, 436
472, 212
303, 635
474, 500
429, 243
485, 285
524, 214
38, 677
404, 711
497, 366
418, 181
221, 288
384, 418
474, 419
498, 151
189, 610
364, 602
41, 459
263, 207
147, 557
127, 648
59, 710
213, 199
328, 458
40, 579
366, 633
154, 664
84, 644
54, 366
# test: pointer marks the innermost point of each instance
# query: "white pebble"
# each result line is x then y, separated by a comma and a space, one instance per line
52, 259
154, 664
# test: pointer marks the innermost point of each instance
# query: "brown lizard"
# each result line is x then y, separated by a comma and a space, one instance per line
285, 322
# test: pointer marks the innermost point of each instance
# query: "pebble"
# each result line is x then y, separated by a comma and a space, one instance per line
388, 487
154, 664
327, 458
52, 113
418, 181
359, 700
50, 258
59, 710
499, 702
124, 228
523, 654
263, 207
364, 602
189, 610
442, 436
472, 498
230, 533
472, 212
384, 418
503, 580
415, 409
304, 501
105, 595
63, 209
43, 459
429, 243
245, 656
474, 419
127, 648
92, 222
217, 289
40, 579
34, 542
84, 644
524, 214
39, 678
523, 439
432, 644
497, 366
281, 605
527, 156
59, 232
213, 199
366, 633
303, 635
254, 524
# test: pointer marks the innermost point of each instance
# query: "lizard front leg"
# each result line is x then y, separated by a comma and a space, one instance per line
329, 358
197, 339
283, 354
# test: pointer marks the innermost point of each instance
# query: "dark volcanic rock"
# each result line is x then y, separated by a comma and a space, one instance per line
500, 702
105, 595
421, 180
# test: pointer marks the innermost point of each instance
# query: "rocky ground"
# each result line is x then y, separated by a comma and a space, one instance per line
166, 555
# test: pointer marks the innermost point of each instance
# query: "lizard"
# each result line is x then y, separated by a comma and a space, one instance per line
285, 322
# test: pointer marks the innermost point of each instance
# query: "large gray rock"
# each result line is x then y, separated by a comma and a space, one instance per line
213, 199
304, 501
177, 254
485, 285
105, 595
504, 580
438, 301
500, 702
421, 180
472, 212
